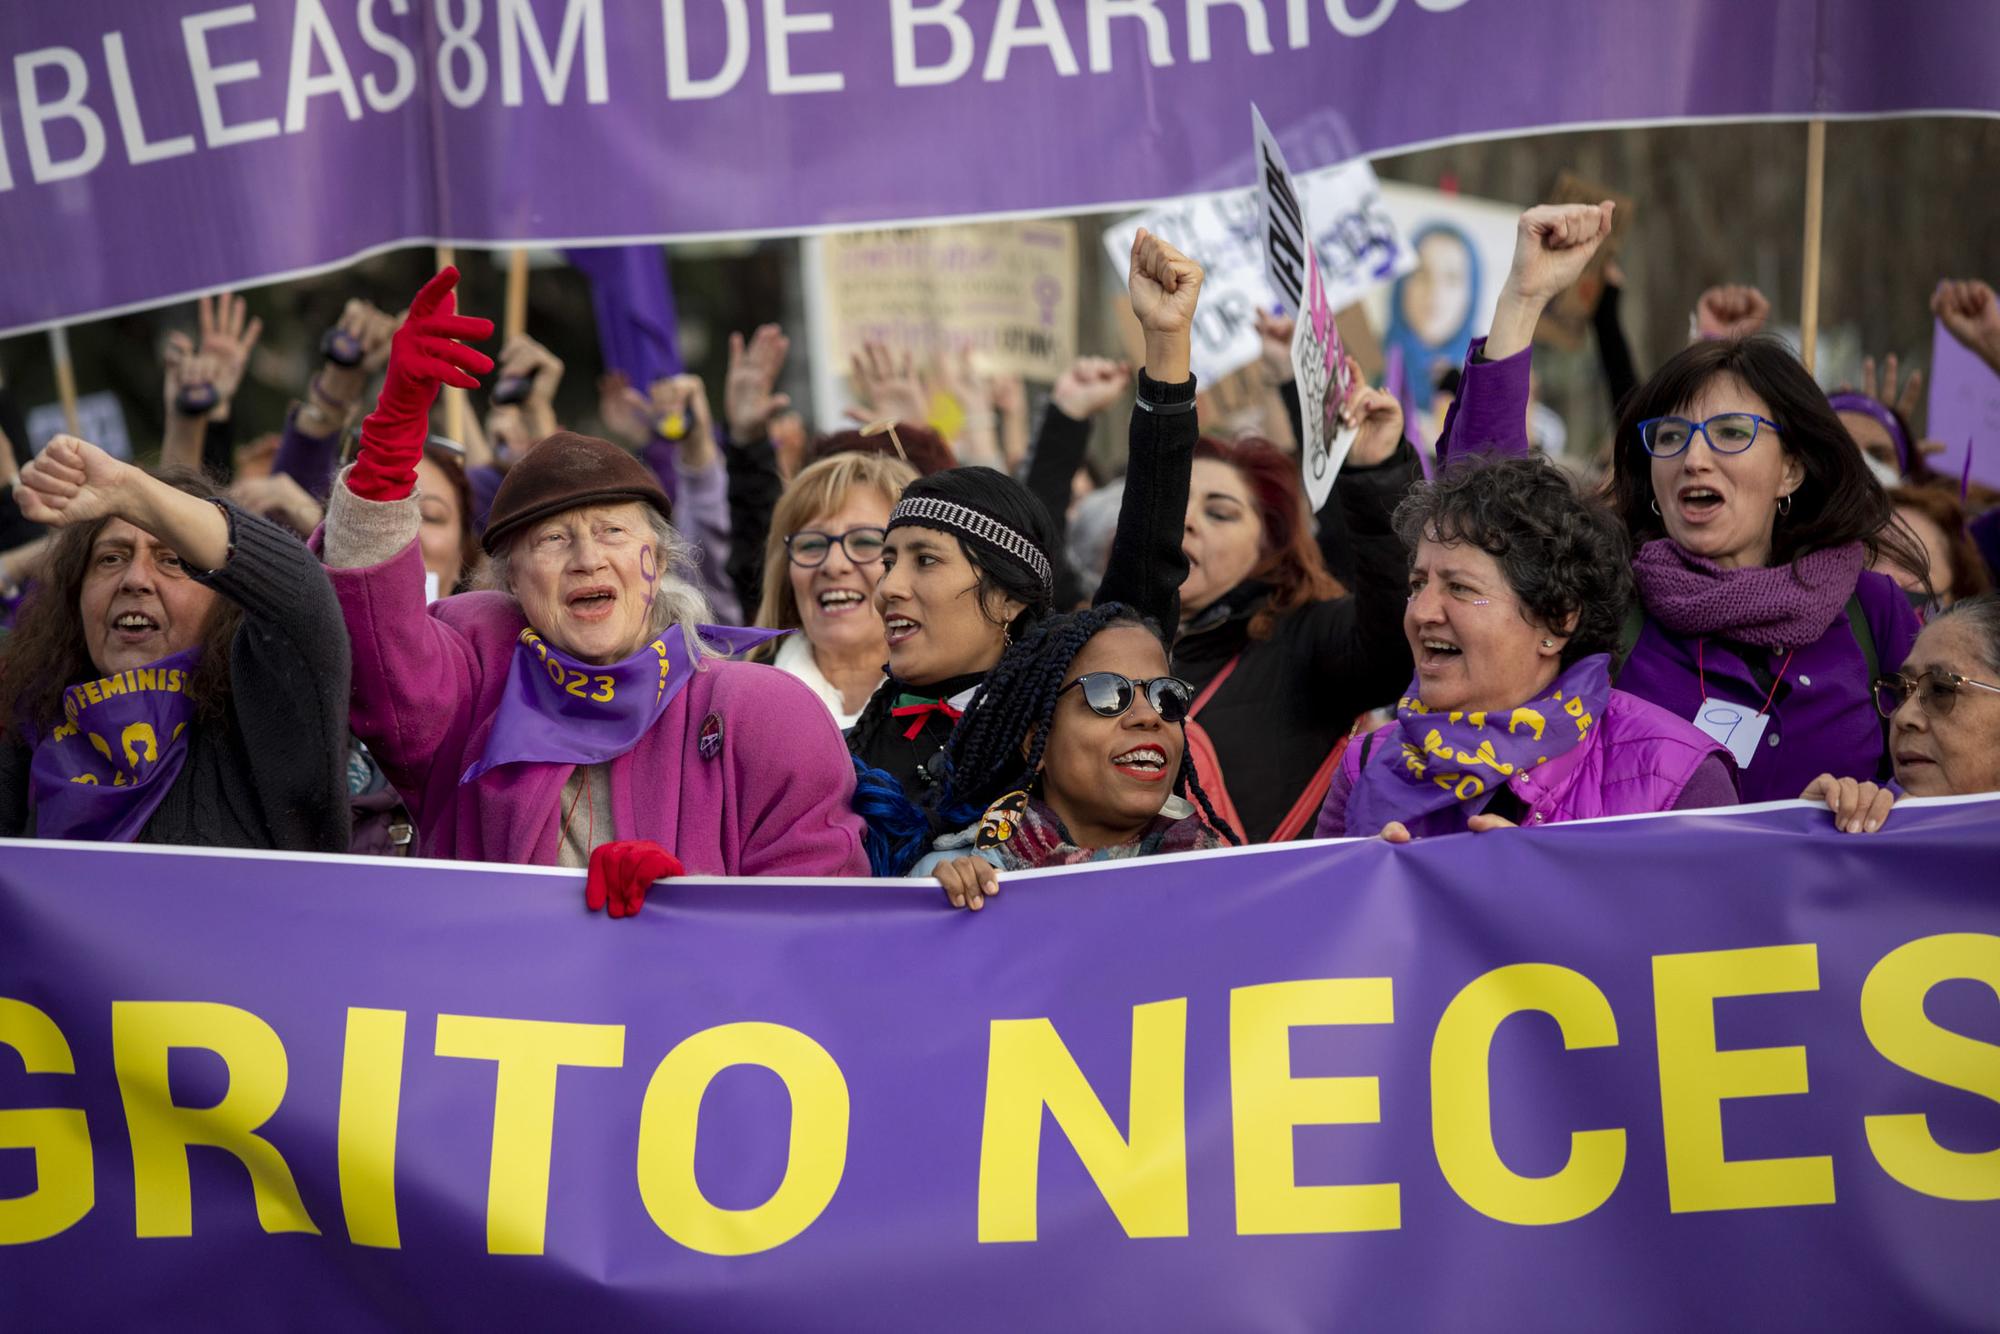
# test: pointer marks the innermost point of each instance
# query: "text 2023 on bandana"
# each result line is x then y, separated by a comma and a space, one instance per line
102, 772
1430, 760
558, 710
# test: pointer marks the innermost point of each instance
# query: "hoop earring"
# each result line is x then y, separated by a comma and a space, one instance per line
1655, 503
1784, 504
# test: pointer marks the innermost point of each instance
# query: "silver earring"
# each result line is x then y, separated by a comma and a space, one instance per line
1655, 503
1548, 643
1784, 504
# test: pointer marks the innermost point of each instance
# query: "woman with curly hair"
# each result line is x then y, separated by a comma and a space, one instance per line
179, 677
1518, 590
1075, 752
1752, 516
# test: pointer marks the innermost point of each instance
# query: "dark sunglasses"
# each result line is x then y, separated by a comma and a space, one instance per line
1109, 695
809, 549
1936, 692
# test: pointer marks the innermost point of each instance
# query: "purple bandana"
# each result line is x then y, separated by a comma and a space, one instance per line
1880, 412
103, 771
558, 710
1447, 758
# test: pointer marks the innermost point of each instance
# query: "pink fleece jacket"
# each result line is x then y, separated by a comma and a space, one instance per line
775, 800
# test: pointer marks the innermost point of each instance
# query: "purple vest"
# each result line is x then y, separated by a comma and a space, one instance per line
1637, 761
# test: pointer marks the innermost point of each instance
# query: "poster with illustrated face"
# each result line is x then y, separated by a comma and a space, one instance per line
1431, 314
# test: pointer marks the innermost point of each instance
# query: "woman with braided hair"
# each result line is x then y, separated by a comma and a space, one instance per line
968, 564
1074, 752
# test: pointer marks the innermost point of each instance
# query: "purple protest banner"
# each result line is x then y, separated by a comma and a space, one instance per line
1964, 411
1753, 1081
151, 151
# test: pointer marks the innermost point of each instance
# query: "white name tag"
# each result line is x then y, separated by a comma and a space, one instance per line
1736, 726
430, 587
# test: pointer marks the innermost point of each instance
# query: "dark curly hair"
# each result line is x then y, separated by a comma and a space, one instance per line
993, 493
1838, 502
47, 653
997, 746
1562, 553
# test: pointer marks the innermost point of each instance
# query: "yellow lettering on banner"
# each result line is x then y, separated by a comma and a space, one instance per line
1461, 1088
528, 1052
1143, 1178
59, 1137
371, 1096
670, 1116
1267, 1102
1695, 1079
1892, 1013
143, 1033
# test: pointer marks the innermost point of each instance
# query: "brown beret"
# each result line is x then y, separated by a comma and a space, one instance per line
567, 471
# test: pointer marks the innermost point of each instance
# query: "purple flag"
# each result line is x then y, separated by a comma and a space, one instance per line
1702, 1071
637, 329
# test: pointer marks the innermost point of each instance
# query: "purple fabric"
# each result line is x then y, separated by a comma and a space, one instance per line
1638, 760
701, 515
459, 134
1433, 762
638, 331
309, 460
560, 710
1783, 606
770, 799
371, 982
1879, 412
101, 774
1713, 784
484, 480
1822, 717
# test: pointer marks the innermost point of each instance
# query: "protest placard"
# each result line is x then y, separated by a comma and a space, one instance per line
1005, 291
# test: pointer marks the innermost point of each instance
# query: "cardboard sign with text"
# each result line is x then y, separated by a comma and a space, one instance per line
1319, 360
1004, 290
1360, 248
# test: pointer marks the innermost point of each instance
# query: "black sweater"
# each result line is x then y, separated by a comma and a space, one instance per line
273, 774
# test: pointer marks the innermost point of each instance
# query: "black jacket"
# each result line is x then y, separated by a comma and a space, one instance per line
1296, 693
273, 774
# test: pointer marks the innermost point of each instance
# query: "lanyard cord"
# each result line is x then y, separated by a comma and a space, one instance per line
1701, 673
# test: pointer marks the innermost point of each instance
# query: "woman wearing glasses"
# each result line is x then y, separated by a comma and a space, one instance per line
1075, 752
1944, 719
821, 564
1518, 588
1753, 518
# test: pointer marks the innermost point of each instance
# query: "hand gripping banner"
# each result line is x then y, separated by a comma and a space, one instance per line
1729, 1070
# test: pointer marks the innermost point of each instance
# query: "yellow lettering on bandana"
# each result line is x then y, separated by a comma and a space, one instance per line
1528, 716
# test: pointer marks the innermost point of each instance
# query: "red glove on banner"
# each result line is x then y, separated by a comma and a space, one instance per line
621, 873
424, 354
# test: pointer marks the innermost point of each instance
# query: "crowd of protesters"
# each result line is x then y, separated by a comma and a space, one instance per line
711, 645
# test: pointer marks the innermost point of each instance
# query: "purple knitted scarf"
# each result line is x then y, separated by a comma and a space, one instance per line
1775, 606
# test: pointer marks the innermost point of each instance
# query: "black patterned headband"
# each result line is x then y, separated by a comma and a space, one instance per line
963, 520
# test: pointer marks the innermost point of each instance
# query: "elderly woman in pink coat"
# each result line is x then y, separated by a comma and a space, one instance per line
574, 713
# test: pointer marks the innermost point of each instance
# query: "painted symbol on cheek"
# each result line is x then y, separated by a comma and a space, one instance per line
648, 570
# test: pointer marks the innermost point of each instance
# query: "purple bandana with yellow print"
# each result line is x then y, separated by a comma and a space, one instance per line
101, 774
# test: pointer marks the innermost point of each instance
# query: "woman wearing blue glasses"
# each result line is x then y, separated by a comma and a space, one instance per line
1075, 751
1753, 518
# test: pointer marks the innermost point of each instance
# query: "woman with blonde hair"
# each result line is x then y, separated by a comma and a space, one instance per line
822, 561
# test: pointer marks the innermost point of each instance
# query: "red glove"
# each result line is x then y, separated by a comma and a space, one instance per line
621, 873
423, 354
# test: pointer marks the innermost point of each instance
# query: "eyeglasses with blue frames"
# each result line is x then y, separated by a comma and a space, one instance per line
1726, 433
809, 549
1109, 695
1936, 692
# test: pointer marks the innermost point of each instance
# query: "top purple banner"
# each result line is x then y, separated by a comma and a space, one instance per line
151, 151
